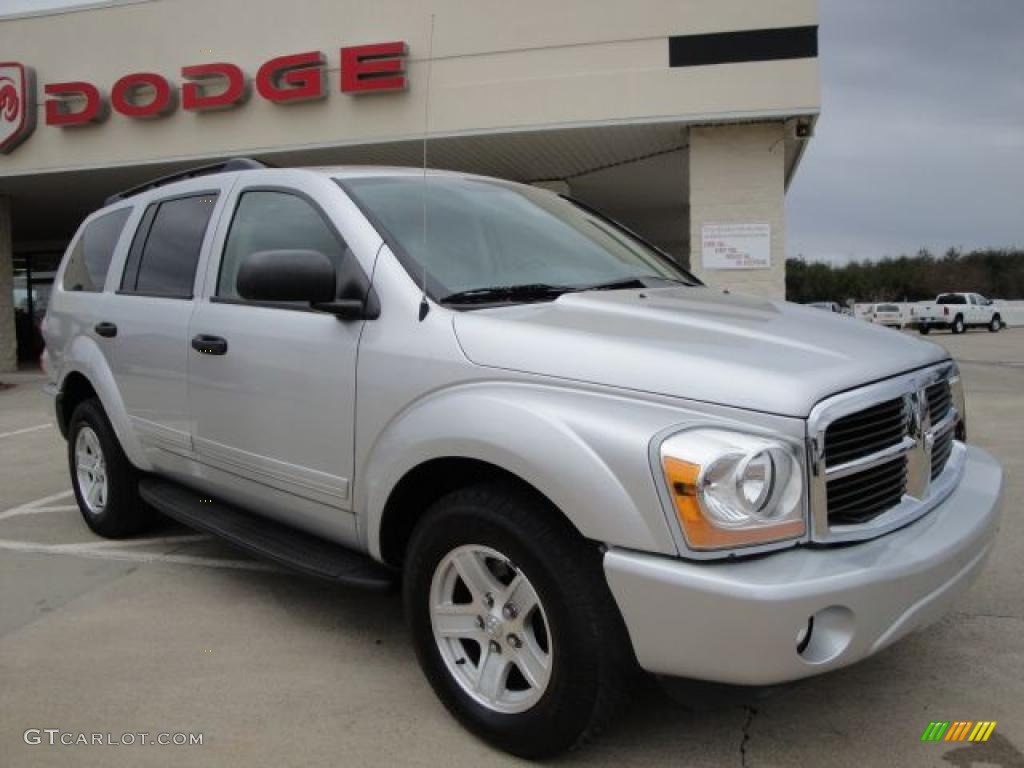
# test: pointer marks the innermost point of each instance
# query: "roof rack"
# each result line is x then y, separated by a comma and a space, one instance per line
234, 164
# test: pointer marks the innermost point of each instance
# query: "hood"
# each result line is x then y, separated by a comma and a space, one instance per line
695, 343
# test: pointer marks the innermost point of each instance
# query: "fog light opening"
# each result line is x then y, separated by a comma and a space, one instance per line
828, 633
803, 637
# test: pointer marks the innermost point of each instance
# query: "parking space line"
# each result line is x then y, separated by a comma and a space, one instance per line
94, 552
39, 505
26, 430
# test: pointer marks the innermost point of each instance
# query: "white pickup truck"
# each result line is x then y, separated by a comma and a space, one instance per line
957, 312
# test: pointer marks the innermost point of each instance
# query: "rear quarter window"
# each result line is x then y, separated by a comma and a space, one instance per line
165, 252
89, 262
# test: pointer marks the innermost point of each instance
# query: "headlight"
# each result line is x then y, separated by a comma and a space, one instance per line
731, 489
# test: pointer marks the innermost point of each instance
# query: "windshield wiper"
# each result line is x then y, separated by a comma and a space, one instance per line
499, 293
632, 282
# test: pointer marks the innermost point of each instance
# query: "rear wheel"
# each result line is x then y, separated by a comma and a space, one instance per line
958, 324
996, 324
103, 479
923, 330
513, 621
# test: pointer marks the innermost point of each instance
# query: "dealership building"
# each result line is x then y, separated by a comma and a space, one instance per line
683, 119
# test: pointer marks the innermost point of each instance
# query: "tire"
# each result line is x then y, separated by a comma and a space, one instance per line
958, 324
589, 660
996, 324
923, 330
111, 508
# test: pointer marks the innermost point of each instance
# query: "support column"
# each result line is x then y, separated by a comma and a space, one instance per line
8, 335
737, 176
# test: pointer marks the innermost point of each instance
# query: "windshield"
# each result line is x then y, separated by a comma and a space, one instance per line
483, 235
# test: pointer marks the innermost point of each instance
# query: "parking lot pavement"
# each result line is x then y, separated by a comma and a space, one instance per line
177, 633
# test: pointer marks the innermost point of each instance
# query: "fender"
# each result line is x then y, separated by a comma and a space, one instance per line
587, 452
85, 357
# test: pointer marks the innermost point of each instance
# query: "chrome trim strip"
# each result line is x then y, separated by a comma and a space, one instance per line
948, 422
901, 448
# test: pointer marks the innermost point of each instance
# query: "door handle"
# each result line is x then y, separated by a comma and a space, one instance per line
105, 329
209, 345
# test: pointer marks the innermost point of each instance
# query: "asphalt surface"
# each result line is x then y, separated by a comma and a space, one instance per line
178, 633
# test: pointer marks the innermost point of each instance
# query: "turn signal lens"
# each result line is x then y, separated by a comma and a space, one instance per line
733, 490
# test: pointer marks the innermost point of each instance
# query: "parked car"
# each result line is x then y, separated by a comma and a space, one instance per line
957, 312
828, 306
889, 315
576, 458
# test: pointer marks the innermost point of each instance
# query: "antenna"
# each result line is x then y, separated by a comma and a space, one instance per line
424, 305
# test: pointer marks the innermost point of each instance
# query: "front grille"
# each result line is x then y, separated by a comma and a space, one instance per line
859, 498
865, 432
940, 400
941, 450
867, 453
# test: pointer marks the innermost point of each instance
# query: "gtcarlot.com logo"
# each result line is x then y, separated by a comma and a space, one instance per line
55, 737
958, 730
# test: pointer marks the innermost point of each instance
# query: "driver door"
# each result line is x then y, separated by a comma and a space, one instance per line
272, 385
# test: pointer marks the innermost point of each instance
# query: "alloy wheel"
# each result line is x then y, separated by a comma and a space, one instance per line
91, 470
491, 629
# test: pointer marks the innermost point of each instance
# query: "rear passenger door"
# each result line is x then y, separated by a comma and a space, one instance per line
273, 400
146, 323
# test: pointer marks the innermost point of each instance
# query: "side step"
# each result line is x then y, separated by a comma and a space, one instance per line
266, 538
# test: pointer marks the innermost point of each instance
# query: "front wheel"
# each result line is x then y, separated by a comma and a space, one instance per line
513, 623
996, 324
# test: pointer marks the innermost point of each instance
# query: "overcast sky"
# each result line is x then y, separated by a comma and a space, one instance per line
921, 136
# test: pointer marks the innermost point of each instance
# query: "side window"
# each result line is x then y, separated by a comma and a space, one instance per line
268, 220
88, 263
165, 252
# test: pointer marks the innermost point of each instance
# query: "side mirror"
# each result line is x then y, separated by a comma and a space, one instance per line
295, 275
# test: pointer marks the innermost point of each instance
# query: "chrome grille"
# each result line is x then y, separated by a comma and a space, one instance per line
880, 454
940, 400
861, 497
865, 432
941, 451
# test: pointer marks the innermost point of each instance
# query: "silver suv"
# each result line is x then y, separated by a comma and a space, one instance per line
576, 458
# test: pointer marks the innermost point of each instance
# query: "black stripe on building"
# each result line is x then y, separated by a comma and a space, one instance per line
748, 45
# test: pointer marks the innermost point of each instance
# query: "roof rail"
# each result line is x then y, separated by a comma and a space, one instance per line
234, 164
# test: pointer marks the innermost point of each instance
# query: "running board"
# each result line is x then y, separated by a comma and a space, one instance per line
265, 538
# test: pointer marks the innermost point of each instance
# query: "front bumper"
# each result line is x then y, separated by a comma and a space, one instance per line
741, 622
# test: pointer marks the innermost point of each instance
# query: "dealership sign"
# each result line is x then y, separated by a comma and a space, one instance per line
205, 87
17, 105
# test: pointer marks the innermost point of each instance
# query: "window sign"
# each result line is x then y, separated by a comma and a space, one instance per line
736, 246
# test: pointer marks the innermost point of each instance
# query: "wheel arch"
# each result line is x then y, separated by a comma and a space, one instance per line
85, 375
429, 481
587, 459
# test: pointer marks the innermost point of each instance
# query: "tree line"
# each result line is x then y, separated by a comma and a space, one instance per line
994, 272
